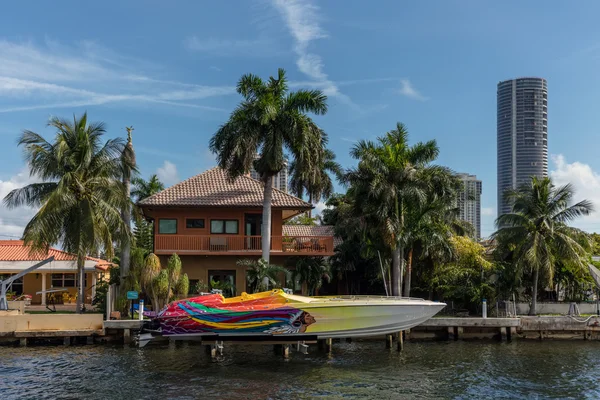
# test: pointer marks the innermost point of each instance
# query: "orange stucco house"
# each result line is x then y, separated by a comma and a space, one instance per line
211, 222
58, 276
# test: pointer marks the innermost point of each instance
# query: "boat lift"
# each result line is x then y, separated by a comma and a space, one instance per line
7, 283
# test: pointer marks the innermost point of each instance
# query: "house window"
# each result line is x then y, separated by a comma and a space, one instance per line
64, 280
167, 226
193, 223
224, 226
16, 286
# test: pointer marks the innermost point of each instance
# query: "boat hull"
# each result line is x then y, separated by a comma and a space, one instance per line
275, 314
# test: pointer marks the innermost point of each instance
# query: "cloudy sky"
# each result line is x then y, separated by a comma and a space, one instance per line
169, 69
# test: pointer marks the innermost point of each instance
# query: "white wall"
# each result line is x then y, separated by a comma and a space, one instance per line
556, 308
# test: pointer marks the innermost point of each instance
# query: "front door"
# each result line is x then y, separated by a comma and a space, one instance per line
253, 227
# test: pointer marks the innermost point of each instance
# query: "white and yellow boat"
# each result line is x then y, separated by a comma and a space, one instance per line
275, 312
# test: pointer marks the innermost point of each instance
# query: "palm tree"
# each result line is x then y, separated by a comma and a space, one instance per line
128, 165
143, 189
311, 174
80, 196
260, 272
431, 224
143, 229
268, 121
537, 229
388, 182
310, 272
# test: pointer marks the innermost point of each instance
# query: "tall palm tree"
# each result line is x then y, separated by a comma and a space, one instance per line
143, 229
80, 196
128, 165
268, 121
312, 176
389, 181
538, 232
143, 188
432, 224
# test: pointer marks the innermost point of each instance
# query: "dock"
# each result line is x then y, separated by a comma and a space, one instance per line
90, 328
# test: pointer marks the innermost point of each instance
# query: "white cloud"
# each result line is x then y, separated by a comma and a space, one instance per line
586, 183
319, 207
13, 221
168, 174
408, 90
56, 76
226, 47
488, 211
302, 20
215, 68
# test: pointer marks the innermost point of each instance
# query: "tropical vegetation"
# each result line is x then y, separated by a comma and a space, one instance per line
396, 221
536, 235
269, 121
80, 194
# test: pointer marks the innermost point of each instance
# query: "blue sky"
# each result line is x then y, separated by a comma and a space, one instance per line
169, 69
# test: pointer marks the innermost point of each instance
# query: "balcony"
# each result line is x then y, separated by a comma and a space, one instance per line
242, 245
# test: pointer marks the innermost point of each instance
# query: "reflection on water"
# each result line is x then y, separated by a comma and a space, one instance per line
362, 369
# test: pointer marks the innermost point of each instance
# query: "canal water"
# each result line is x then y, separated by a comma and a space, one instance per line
357, 370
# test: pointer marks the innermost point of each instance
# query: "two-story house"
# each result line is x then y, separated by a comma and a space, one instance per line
211, 222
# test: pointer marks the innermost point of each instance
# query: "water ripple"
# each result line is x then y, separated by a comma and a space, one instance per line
357, 370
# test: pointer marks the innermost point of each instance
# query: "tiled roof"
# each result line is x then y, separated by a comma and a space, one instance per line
213, 188
307, 230
16, 250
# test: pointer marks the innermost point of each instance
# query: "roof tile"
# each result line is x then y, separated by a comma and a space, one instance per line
213, 188
16, 250
314, 230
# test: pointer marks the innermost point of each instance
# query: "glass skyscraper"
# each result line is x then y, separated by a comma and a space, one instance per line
522, 134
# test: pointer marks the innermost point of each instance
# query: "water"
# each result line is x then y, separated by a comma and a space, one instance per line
365, 369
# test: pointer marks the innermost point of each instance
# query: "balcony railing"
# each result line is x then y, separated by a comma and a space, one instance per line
238, 244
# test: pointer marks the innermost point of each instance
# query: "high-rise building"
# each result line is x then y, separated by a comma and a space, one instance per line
280, 181
522, 134
469, 202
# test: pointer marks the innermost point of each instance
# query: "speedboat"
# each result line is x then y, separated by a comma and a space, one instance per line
277, 314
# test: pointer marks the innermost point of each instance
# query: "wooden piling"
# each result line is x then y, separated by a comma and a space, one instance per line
451, 333
389, 339
67, 341
329, 345
400, 341
127, 336
23, 342
285, 351
503, 334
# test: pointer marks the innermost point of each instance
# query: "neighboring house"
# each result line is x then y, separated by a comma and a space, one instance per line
61, 273
211, 222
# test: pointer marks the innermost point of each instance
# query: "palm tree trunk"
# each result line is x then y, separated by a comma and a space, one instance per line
310, 200
534, 292
128, 159
266, 219
304, 289
81, 287
266, 224
408, 278
397, 269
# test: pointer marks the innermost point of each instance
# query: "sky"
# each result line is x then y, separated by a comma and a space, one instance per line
170, 69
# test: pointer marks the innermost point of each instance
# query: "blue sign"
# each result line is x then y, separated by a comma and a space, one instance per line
132, 295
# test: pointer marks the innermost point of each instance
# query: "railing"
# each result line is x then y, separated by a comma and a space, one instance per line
242, 244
